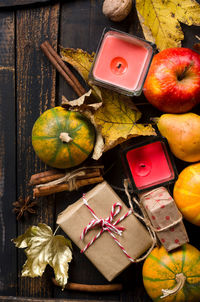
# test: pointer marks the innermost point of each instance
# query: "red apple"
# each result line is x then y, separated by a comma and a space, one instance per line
173, 81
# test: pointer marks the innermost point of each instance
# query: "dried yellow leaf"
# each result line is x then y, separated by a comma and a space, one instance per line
160, 20
42, 248
186, 11
116, 119
82, 62
79, 59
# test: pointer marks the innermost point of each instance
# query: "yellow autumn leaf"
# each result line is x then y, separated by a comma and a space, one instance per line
160, 20
116, 119
186, 11
82, 62
42, 248
79, 59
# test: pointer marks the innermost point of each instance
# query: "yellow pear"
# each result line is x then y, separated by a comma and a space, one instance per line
183, 134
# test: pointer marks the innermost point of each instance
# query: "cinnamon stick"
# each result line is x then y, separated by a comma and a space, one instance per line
91, 287
44, 177
57, 62
44, 191
50, 175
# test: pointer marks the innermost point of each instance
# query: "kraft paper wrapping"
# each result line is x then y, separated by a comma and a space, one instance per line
104, 253
162, 212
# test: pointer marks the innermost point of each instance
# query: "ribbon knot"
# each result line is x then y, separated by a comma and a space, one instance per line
106, 224
101, 223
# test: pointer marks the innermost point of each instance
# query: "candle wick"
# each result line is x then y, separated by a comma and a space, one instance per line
119, 65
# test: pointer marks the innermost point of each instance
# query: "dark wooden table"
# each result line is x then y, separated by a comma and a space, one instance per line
28, 86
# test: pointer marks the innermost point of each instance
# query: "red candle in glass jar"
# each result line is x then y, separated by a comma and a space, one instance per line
122, 62
150, 165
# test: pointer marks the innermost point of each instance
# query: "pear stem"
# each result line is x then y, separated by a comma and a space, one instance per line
154, 119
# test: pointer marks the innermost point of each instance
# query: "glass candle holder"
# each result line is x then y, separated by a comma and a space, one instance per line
121, 62
149, 165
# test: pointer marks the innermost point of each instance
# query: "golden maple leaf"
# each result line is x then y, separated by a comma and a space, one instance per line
116, 118
160, 20
42, 248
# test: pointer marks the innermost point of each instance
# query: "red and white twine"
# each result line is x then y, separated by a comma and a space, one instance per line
106, 224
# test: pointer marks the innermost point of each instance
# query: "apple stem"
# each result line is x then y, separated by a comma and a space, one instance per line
182, 75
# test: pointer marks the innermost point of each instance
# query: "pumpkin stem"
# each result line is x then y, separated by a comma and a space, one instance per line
56, 230
154, 120
65, 138
180, 279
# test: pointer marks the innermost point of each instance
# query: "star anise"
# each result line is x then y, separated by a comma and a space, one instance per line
24, 206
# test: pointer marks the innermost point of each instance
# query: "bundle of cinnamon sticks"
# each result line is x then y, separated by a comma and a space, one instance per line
54, 181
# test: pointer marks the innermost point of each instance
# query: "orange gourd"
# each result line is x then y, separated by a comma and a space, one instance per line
174, 275
187, 193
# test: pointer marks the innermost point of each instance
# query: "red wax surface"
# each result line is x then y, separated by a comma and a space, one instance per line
149, 165
120, 61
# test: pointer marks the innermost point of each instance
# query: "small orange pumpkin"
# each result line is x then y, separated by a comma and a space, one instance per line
63, 139
173, 276
187, 193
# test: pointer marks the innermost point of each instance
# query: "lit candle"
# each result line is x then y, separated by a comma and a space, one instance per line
122, 62
150, 165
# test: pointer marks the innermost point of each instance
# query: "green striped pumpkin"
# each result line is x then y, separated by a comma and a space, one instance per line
62, 139
161, 268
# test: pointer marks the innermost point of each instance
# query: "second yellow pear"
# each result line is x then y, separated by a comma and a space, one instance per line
183, 134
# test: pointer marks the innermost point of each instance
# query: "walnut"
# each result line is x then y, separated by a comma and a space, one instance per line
117, 10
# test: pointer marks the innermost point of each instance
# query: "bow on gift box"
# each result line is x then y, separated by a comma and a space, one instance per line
106, 224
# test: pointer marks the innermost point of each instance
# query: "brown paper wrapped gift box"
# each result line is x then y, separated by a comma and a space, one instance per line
104, 253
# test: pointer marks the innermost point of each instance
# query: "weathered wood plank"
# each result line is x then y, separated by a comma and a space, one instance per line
8, 273
7, 3
35, 93
22, 299
74, 29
